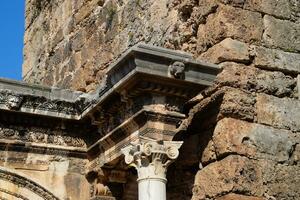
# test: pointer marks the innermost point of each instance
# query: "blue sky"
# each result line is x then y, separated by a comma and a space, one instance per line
11, 38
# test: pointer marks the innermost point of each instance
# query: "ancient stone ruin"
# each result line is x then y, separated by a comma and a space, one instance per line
154, 100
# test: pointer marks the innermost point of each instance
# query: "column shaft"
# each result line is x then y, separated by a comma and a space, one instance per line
150, 189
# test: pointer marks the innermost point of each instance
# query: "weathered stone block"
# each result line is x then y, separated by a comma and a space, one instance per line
235, 3
78, 40
87, 9
282, 180
298, 86
33, 10
34, 46
209, 153
276, 59
278, 112
255, 80
231, 174
278, 8
81, 78
281, 34
232, 136
239, 197
237, 104
231, 22
103, 198
250, 177
227, 50
295, 156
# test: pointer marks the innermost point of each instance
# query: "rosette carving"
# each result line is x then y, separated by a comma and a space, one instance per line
172, 152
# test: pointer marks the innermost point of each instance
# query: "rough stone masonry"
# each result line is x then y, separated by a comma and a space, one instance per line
242, 135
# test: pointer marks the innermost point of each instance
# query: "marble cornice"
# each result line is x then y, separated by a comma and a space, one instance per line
139, 62
142, 94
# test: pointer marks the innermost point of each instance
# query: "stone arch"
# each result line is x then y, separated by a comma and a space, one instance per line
23, 183
15, 195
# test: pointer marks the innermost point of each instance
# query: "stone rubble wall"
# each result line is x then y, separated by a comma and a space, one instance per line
252, 112
253, 151
70, 43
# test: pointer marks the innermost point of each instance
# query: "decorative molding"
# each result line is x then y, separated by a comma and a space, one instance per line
19, 101
103, 198
21, 181
176, 70
41, 136
139, 62
144, 92
14, 101
151, 158
13, 194
110, 146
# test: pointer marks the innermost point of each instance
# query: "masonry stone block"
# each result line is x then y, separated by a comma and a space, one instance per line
255, 80
245, 128
285, 183
227, 50
278, 8
278, 112
263, 179
230, 22
238, 104
232, 136
231, 174
233, 196
274, 59
281, 34
298, 86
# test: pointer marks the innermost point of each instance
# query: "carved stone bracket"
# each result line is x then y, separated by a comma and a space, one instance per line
151, 158
176, 70
14, 101
98, 180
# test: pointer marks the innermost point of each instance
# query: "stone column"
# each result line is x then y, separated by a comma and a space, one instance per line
151, 159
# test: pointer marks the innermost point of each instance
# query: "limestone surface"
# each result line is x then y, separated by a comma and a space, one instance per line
241, 135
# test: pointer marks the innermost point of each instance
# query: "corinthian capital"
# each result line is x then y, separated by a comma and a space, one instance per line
151, 158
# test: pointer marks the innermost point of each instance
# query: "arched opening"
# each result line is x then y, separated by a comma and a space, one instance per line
14, 185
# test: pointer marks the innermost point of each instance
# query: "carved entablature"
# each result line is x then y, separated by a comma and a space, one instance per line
142, 94
40, 136
16, 101
26, 183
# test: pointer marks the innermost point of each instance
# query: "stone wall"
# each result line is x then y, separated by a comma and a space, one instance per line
244, 130
249, 120
70, 43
